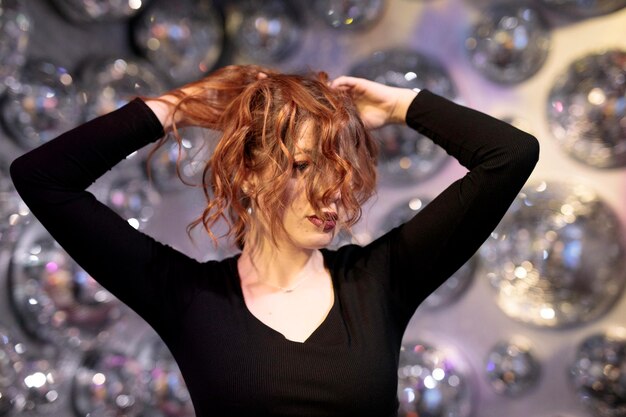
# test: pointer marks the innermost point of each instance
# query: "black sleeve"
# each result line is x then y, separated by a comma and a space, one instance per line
429, 248
52, 180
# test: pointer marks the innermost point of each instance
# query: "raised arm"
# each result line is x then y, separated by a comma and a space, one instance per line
52, 180
429, 248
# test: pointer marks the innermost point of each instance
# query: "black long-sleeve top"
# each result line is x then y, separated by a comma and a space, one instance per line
232, 363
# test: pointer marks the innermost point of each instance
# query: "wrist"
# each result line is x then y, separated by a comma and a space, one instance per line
404, 100
162, 108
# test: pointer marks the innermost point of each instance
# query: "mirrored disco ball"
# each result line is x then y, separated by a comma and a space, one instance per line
43, 386
265, 31
14, 34
183, 39
512, 368
585, 8
11, 393
457, 283
598, 373
54, 299
132, 197
509, 44
349, 14
587, 109
405, 155
109, 383
110, 83
42, 105
557, 257
432, 382
169, 396
101, 10
195, 149
14, 214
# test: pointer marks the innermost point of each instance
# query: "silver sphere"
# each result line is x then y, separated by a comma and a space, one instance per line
14, 214
509, 44
557, 257
132, 197
183, 38
43, 386
405, 155
109, 383
169, 396
110, 83
11, 393
55, 300
512, 368
349, 14
190, 157
42, 105
457, 283
266, 31
14, 34
83, 11
587, 109
598, 373
432, 382
585, 8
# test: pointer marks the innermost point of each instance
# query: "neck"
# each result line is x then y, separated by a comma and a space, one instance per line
281, 266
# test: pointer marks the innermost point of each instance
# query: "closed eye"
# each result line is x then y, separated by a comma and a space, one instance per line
300, 166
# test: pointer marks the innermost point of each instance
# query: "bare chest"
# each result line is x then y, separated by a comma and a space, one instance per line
295, 314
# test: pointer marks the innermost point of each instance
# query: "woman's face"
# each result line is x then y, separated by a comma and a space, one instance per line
303, 229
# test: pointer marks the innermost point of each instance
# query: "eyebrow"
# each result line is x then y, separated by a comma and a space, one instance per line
305, 151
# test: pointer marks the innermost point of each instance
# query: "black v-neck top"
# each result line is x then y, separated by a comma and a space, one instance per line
232, 363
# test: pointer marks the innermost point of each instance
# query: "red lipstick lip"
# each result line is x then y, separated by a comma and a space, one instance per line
328, 223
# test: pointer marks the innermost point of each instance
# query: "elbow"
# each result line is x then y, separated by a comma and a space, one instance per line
531, 151
526, 154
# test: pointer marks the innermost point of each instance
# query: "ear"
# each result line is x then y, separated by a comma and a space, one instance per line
249, 185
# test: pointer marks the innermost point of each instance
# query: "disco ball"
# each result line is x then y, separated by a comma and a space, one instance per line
97, 11
432, 382
585, 8
14, 34
405, 155
557, 258
42, 105
598, 373
511, 368
11, 393
110, 83
54, 299
265, 31
349, 14
169, 396
509, 44
42, 385
183, 39
14, 214
587, 109
132, 197
109, 383
456, 284
191, 155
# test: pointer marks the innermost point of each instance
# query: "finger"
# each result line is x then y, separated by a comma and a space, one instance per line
344, 81
261, 76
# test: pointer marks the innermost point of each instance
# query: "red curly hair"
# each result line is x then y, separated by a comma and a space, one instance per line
261, 118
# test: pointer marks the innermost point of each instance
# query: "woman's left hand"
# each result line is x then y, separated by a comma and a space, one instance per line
378, 104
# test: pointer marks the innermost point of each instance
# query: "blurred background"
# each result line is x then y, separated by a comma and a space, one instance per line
534, 325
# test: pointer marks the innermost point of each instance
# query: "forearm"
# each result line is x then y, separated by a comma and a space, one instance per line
472, 137
74, 160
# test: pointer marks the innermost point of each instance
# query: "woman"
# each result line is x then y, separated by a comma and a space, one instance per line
287, 327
